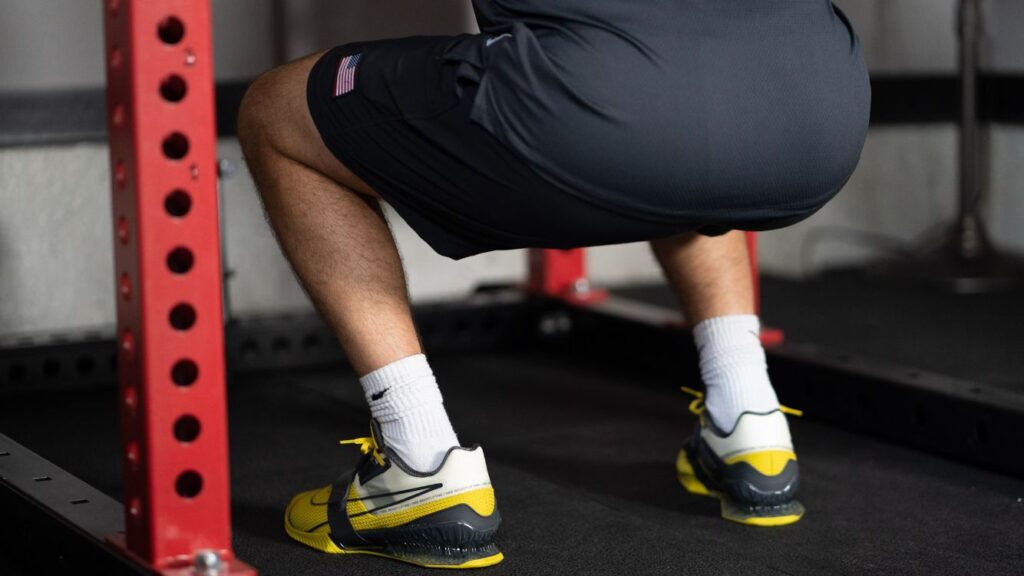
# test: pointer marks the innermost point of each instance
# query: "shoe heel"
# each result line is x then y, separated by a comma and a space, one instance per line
457, 537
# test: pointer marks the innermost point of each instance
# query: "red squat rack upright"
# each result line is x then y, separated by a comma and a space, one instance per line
169, 308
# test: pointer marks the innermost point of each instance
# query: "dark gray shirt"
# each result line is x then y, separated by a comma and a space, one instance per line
660, 108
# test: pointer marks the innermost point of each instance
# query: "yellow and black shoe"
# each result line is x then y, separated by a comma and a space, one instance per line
751, 469
443, 519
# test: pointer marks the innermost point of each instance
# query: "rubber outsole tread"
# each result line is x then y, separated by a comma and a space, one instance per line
413, 551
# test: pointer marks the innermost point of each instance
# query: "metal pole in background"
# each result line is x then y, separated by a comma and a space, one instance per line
969, 263
971, 242
963, 260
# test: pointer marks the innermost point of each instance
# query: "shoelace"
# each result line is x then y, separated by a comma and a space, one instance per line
697, 404
367, 446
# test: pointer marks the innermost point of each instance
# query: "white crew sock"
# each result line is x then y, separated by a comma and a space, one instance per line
404, 397
734, 369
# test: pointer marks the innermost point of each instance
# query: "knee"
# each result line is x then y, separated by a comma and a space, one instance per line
257, 113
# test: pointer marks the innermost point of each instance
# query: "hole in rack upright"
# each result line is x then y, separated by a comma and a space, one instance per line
178, 203
180, 260
173, 88
176, 146
187, 428
171, 30
189, 484
183, 316
184, 373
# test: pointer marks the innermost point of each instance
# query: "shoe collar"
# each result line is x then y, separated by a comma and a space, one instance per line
708, 423
380, 456
698, 409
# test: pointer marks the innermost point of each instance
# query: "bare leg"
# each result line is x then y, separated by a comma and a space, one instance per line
328, 221
712, 279
330, 226
711, 276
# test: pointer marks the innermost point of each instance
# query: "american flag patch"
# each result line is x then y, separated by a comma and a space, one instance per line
346, 81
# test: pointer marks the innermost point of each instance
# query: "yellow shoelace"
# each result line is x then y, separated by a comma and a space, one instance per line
697, 405
367, 446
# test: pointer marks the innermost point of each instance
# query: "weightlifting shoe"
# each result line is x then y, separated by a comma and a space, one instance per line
446, 518
752, 469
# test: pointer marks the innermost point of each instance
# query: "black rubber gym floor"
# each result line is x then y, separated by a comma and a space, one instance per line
582, 460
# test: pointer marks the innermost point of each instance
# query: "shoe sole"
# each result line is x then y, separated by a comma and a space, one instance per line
323, 543
762, 516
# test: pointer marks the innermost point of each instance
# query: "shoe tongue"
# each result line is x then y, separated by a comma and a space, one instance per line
387, 451
382, 443
368, 467
378, 433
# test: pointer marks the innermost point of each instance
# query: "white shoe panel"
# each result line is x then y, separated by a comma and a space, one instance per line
753, 433
464, 470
